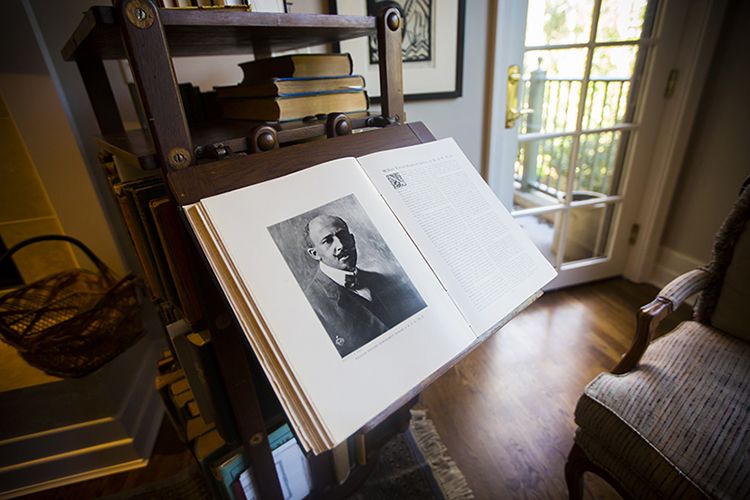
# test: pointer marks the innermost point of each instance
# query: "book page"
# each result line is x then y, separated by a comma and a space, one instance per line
480, 254
354, 347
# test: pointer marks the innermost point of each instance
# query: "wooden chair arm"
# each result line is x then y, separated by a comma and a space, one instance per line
649, 316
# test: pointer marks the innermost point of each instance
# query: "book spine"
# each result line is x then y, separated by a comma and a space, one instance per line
142, 198
150, 274
182, 260
208, 388
260, 69
291, 95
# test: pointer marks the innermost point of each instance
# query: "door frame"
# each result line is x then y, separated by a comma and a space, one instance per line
692, 52
687, 33
506, 41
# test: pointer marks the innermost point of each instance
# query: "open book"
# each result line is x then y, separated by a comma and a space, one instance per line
357, 279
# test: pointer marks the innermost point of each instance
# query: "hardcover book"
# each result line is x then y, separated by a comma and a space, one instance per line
181, 257
141, 197
359, 280
296, 65
137, 231
293, 107
288, 87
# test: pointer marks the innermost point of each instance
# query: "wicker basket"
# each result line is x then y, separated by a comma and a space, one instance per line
71, 323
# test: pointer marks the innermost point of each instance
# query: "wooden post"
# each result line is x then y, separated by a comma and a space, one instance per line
231, 349
100, 92
151, 62
390, 27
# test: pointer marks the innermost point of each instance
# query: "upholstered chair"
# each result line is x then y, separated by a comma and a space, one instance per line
672, 420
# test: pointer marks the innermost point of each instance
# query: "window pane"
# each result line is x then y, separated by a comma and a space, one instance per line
597, 158
542, 168
614, 62
557, 63
554, 22
609, 86
552, 88
621, 20
588, 230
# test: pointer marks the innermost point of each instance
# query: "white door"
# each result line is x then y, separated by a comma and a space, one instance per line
589, 75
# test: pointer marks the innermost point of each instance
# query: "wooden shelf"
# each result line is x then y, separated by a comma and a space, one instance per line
196, 182
137, 148
192, 32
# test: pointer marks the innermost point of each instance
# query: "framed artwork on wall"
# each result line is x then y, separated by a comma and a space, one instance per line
432, 48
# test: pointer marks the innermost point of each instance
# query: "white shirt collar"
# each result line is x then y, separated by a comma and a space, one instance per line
337, 275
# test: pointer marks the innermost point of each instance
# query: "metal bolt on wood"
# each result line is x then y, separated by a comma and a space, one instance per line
394, 21
140, 14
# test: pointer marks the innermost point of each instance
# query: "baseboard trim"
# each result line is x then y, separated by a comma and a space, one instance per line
670, 264
42, 461
74, 478
49, 432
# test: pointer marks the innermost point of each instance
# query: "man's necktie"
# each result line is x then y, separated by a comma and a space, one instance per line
350, 281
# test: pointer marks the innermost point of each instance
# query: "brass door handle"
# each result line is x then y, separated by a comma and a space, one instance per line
511, 104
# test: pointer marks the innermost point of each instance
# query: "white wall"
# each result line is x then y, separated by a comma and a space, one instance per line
462, 118
39, 112
716, 162
56, 120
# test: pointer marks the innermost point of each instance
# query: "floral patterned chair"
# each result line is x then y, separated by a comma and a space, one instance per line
672, 420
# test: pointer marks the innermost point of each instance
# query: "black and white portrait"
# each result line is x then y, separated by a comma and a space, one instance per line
417, 42
347, 272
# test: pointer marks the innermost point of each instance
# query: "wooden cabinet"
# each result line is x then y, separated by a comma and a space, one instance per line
197, 160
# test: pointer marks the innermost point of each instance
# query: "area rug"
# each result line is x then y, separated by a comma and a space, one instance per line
414, 465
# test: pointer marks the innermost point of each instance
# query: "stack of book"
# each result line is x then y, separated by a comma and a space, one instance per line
153, 220
294, 87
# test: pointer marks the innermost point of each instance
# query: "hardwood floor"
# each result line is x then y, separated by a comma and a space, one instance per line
506, 411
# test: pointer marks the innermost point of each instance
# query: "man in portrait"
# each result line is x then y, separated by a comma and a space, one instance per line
354, 305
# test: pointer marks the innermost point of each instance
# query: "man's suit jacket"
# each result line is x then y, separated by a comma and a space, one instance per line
350, 320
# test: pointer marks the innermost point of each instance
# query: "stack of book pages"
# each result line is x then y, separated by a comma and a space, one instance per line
294, 87
359, 280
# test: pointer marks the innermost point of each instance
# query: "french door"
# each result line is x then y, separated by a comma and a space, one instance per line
571, 77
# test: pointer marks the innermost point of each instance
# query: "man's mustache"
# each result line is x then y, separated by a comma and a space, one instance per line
344, 253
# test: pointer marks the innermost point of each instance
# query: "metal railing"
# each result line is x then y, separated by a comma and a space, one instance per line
543, 164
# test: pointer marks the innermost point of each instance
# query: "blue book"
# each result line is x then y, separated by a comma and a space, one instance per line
293, 87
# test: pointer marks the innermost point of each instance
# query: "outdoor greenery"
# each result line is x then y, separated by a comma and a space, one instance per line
553, 79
